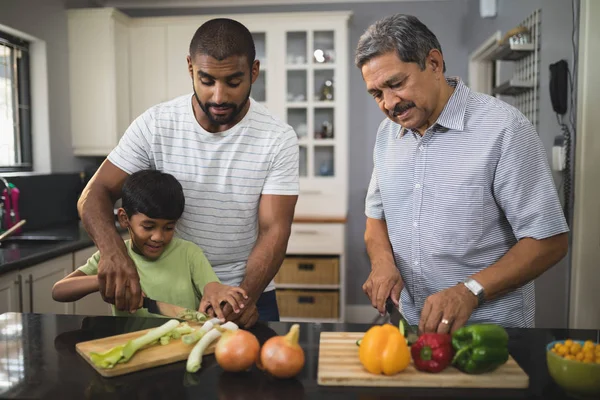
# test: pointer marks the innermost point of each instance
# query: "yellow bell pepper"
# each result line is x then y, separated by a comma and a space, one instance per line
383, 349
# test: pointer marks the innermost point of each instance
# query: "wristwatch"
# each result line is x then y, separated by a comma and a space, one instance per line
476, 289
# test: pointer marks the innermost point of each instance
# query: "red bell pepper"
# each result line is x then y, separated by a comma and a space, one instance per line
432, 352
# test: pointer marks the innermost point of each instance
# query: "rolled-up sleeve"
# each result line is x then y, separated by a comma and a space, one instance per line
524, 188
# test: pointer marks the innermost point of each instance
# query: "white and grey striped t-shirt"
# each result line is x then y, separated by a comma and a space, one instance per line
223, 175
458, 198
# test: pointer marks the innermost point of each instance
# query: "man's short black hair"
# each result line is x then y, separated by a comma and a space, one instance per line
154, 193
221, 38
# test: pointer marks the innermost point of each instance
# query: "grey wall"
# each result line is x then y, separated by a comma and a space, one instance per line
364, 116
552, 288
47, 20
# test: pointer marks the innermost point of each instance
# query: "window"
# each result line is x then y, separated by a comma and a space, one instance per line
15, 111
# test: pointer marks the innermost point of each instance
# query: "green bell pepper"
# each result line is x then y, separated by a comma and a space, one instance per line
480, 348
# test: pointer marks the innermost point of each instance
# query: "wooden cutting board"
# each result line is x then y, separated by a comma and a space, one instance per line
148, 357
339, 365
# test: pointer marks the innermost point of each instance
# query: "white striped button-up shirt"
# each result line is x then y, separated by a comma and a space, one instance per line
458, 198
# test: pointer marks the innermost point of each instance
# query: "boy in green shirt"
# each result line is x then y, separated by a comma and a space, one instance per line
171, 270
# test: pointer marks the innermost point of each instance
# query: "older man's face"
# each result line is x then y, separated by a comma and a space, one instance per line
404, 92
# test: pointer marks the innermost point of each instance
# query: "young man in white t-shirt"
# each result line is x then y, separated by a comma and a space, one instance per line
237, 163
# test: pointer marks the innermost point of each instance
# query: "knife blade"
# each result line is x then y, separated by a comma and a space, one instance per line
172, 310
396, 317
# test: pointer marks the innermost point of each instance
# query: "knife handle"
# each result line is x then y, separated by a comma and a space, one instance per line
150, 305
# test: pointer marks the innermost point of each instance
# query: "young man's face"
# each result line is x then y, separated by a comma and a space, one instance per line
149, 236
223, 88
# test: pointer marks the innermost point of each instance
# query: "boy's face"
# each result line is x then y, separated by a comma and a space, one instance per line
149, 236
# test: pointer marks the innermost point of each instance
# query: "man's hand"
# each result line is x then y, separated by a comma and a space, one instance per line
216, 293
384, 281
247, 316
119, 283
448, 310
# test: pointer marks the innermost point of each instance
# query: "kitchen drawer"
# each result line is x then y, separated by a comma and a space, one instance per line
312, 238
310, 270
308, 303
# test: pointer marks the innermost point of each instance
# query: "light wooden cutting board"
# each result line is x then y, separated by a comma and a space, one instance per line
148, 357
339, 365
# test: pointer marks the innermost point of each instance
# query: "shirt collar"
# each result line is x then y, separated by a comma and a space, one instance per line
453, 114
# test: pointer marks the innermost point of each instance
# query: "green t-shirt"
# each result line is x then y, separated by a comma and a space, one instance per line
177, 277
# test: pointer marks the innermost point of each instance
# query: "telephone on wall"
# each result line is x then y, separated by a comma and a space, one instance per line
559, 81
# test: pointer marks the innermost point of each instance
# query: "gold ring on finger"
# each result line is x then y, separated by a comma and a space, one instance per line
445, 321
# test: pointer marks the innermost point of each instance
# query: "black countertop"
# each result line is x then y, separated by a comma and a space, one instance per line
17, 253
38, 361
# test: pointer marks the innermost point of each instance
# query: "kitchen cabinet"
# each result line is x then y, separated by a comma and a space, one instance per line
92, 304
9, 293
37, 285
99, 79
148, 58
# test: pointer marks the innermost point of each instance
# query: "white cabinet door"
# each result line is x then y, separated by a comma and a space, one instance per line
38, 282
98, 79
179, 36
92, 304
148, 71
9, 293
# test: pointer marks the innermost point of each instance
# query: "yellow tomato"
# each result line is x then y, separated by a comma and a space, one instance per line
575, 348
562, 350
568, 343
588, 345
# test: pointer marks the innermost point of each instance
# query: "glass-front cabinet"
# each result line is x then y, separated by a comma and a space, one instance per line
304, 80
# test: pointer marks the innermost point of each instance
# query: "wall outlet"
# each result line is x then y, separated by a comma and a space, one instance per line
558, 154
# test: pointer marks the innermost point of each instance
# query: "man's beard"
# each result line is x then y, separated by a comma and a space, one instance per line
222, 120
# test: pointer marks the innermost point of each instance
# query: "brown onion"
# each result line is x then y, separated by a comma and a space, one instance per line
282, 356
236, 351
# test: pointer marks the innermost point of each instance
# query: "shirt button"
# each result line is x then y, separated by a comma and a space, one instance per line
418, 185
421, 148
415, 224
416, 262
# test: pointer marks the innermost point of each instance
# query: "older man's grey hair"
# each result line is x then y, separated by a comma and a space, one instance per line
405, 34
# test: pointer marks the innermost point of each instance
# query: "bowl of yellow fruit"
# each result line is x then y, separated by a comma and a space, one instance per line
575, 366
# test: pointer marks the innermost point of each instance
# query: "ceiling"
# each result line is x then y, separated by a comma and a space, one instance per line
219, 3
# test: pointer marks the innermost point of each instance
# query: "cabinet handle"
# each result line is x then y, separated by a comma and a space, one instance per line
30, 281
19, 282
306, 300
306, 267
306, 232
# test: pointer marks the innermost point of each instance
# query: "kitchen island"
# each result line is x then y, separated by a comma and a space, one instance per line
38, 360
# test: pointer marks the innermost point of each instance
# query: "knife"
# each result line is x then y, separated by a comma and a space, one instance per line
396, 318
172, 310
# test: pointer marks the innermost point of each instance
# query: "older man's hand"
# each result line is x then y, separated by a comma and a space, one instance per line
384, 281
448, 310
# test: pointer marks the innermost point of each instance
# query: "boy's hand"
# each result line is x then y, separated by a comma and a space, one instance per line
216, 293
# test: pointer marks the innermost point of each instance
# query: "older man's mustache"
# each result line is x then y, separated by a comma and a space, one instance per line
400, 108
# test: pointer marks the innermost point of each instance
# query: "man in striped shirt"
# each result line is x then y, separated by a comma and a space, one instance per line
237, 163
462, 211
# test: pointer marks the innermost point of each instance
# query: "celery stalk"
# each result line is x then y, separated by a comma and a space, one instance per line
134, 345
197, 334
123, 353
194, 360
109, 358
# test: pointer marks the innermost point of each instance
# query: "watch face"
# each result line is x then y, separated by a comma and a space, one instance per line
474, 286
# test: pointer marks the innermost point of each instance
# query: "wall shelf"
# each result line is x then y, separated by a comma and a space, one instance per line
513, 87
511, 52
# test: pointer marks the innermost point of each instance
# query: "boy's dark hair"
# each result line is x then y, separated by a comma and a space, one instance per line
153, 193
221, 38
